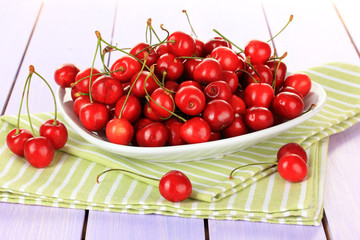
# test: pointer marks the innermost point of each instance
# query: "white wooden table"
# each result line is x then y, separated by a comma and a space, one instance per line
48, 33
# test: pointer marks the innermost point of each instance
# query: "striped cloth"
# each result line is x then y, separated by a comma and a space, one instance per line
257, 192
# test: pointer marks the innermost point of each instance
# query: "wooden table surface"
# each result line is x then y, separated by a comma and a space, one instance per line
49, 33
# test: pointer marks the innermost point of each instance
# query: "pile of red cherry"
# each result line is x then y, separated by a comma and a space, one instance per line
185, 91
38, 150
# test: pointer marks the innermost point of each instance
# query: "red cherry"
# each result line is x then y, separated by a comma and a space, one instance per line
141, 122
16, 141
162, 103
214, 43
56, 133
139, 52
207, 71
287, 105
241, 67
65, 74
94, 116
174, 126
259, 95
199, 48
83, 85
189, 66
227, 58
183, 44
75, 93
172, 86
39, 151
299, 81
258, 51
292, 90
175, 186
126, 67
195, 130
79, 102
106, 90
162, 49
215, 136
292, 168
264, 72
170, 66
237, 104
237, 128
231, 79
190, 100
149, 113
258, 118
280, 73
119, 131
219, 114
132, 108
152, 135
190, 83
139, 86
217, 90
292, 148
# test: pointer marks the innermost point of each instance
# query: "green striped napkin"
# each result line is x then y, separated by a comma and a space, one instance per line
257, 192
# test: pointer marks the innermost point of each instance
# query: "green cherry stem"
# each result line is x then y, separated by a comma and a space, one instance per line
192, 29
251, 164
27, 99
98, 35
126, 171
241, 50
290, 19
133, 84
53, 95
21, 103
152, 30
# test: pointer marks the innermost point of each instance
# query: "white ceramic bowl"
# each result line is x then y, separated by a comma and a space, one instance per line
188, 152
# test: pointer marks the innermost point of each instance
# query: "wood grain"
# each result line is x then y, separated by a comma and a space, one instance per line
107, 225
257, 230
36, 222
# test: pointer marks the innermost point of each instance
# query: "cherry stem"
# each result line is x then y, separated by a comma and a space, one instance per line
186, 57
121, 50
148, 97
93, 63
290, 19
275, 73
152, 30
102, 57
241, 50
21, 103
251, 164
126, 171
27, 101
132, 85
187, 16
164, 29
53, 95
146, 31
247, 60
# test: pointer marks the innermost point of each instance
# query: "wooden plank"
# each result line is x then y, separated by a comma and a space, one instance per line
314, 37
14, 39
342, 192
64, 33
108, 225
36, 222
258, 230
59, 39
